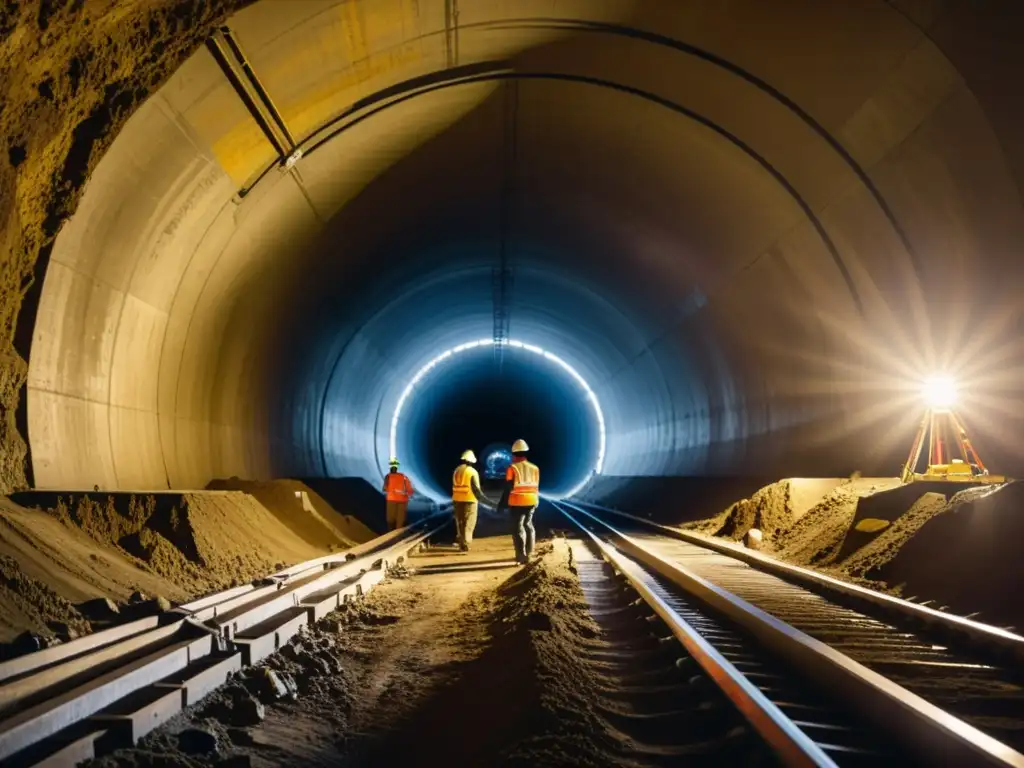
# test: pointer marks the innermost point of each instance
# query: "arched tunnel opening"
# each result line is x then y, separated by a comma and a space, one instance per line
702, 257
738, 303
483, 393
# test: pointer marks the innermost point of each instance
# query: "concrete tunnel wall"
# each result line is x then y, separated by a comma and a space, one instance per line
755, 334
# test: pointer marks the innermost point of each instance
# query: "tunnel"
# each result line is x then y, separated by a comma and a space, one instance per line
654, 240
721, 265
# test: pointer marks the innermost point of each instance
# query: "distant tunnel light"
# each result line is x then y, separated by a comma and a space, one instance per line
940, 392
591, 396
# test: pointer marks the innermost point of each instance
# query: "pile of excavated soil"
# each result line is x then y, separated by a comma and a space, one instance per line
884, 546
804, 520
303, 510
50, 565
797, 512
200, 541
469, 662
772, 509
175, 546
816, 537
927, 540
966, 556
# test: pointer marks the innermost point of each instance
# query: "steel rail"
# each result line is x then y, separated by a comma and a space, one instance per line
928, 731
978, 632
790, 743
178, 656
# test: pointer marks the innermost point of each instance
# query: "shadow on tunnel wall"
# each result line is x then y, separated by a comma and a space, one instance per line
377, 246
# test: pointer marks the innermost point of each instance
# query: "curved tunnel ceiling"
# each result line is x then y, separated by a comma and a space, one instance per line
752, 231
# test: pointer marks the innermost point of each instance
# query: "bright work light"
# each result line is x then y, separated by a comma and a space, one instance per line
940, 392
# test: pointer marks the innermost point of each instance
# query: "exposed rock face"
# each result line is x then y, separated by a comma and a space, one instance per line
71, 73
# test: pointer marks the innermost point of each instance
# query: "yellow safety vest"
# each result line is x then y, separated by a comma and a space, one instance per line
462, 483
526, 481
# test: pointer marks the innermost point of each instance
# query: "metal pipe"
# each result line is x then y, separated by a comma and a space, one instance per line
257, 86
216, 48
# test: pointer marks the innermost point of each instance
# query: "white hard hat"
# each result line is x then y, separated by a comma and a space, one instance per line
519, 446
469, 456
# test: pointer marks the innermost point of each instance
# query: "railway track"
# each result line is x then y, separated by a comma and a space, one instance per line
837, 686
72, 702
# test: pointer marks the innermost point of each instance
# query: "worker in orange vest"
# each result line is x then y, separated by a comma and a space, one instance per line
397, 490
521, 497
466, 495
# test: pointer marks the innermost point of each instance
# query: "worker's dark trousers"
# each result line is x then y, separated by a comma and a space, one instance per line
523, 535
396, 514
465, 522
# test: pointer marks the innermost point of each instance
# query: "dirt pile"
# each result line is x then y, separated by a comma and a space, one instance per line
51, 565
815, 538
526, 699
28, 604
769, 510
199, 541
965, 556
303, 510
885, 545
74, 548
928, 540
354, 496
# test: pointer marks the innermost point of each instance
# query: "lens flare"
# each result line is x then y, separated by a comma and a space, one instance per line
532, 348
940, 392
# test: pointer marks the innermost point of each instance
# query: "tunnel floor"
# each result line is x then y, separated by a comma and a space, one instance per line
465, 659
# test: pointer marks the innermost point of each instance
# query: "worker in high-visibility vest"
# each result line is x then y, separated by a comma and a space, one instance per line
397, 491
521, 497
466, 494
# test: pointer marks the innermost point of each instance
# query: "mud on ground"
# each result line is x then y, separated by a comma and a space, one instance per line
471, 667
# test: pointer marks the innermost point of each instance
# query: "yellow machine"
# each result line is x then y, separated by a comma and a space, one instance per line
945, 433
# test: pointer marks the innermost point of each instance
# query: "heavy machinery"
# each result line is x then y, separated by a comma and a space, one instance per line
946, 434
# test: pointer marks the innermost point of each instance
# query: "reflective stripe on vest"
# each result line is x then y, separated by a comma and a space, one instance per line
462, 483
526, 481
398, 487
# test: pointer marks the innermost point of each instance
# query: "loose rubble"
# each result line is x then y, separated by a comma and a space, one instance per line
484, 662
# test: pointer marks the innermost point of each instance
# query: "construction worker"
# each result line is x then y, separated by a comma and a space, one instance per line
521, 496
466, 494
398, 490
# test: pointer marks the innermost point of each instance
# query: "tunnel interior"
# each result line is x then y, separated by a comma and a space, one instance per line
751, 268
481, 397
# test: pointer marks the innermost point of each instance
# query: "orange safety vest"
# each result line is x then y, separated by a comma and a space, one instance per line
462, 483
526, 480
399, 487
